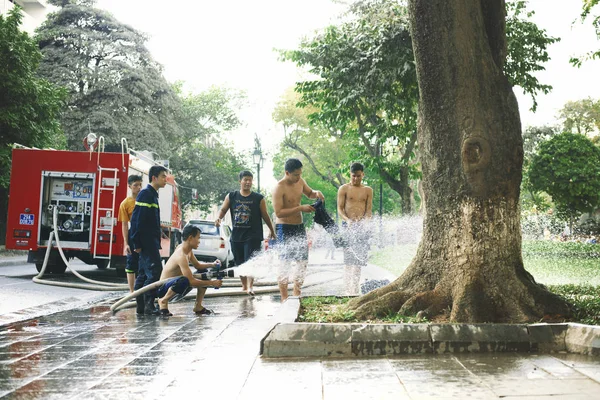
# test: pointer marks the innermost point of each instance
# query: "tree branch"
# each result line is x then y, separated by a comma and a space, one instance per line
294, 146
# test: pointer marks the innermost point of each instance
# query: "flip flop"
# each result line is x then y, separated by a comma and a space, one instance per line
164, 312
251, 293
204, 311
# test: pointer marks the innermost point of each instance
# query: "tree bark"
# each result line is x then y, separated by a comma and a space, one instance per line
468, 265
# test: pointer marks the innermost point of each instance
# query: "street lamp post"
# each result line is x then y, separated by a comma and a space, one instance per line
257, 158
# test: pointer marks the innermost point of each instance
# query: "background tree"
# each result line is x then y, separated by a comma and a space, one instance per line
589, 10
203, 159
526, 50
567, 167
469, 259
367, 88
114, 84
326, 155
580, 116
29, 105
533, 137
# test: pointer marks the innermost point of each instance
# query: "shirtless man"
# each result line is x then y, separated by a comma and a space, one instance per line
291, 235
178, 265
355, 203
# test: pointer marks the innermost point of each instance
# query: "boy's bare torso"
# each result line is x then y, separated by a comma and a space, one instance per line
172, 268
356, 200
292, 195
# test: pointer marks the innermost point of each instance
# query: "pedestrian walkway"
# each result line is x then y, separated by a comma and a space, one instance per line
89, 353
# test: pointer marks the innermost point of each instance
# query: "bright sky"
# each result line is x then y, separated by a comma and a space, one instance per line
231, 42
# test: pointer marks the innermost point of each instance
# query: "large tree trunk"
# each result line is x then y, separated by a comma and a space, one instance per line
469, 262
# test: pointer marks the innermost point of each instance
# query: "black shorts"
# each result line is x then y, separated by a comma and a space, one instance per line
243, 251
292, 242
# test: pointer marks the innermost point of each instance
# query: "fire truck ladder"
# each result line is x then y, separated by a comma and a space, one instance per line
106, 183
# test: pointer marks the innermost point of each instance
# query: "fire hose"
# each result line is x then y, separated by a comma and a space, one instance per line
95, 285
108, 286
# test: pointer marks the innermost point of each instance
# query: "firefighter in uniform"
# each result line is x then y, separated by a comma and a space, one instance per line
145, 238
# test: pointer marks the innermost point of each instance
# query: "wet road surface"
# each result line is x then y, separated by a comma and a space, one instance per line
89, 353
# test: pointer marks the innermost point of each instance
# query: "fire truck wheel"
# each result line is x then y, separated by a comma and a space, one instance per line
52, 268
102, 264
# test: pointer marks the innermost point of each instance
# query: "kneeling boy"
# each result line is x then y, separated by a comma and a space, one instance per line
177, 265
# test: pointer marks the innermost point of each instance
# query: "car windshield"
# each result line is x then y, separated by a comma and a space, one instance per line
207, 228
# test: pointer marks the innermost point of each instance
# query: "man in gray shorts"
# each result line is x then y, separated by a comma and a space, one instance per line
355, 204
291, 235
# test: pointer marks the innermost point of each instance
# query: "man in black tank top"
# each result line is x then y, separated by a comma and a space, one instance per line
248, 209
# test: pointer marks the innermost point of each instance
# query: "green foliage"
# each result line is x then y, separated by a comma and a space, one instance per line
326, 156
29, 106
115, 87
527, 50
585, 300
366, 89
532, 138
580, 116
589, 6
567, 167
203, 160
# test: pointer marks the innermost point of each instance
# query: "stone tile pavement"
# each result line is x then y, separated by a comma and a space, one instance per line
88, 353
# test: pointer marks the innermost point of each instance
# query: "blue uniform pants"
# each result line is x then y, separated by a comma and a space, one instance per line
150, 268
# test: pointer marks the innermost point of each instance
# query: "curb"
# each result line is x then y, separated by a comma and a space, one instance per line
288, 339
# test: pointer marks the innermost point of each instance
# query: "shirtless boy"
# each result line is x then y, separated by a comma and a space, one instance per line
355, 203
289, 228
178, 265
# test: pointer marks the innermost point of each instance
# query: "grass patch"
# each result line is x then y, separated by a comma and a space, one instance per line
550, 263
585, 299
335, 309
393, 258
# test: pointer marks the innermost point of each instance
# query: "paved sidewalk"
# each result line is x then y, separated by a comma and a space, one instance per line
89, 353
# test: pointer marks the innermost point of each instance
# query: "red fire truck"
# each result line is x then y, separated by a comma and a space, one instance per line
87, 189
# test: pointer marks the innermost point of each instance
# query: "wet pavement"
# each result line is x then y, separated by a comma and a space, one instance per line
89, 353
